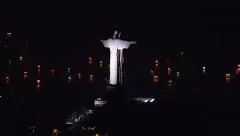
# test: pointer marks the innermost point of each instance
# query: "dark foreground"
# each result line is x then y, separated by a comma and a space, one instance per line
203, 111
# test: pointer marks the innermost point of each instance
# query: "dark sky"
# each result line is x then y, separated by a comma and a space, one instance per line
154, 25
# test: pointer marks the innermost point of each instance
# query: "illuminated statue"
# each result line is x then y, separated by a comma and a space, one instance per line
116, 47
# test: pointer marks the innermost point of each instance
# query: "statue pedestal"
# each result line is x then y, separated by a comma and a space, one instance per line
111, 88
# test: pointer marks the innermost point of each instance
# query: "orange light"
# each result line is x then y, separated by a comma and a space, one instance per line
38, 81
55, 132
38, 84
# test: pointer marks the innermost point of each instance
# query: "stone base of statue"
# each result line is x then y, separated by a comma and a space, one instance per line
111, 88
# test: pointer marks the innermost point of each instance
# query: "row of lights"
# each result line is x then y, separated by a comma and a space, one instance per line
178, 75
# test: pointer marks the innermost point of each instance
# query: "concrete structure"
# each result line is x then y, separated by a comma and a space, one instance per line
116, 47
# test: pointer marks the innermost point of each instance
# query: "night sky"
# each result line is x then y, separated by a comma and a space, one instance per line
62, 29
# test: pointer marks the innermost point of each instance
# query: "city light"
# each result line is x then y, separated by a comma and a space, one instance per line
7, 80
238, 69
79, 76
25, 75
156, 64
90, 60
144, 100
203, 69
38, 84
101, 63
32, 128
52, 72
9, 35
38, 69
151, 72
155, 79
228, 77
21, 58
69, 79
69, 70
91, 77
178, 74
55, 132
9, 61
169, 71
181, 53
99, 102
170, 83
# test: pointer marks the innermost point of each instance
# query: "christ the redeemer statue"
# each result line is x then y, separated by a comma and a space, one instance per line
116, 47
